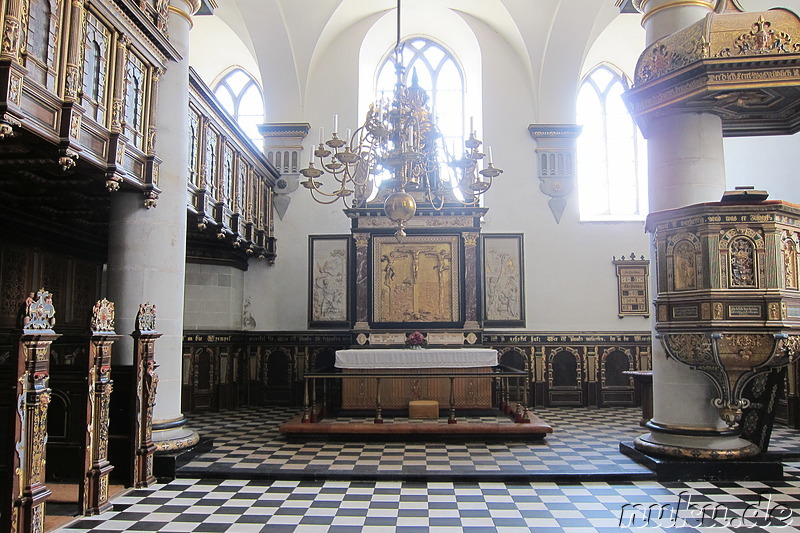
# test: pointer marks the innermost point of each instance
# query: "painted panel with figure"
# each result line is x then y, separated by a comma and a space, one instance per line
328, 280
416, 280
503, 297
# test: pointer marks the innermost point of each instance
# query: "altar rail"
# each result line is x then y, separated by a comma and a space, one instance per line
499, 374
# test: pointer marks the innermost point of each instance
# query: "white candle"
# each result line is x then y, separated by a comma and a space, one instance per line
471, 124
335, 123
411, 135
321, 135
349, 133
489, 149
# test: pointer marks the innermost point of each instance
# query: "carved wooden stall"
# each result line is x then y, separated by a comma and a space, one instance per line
580, 369
94, 496
22, 485
144, 336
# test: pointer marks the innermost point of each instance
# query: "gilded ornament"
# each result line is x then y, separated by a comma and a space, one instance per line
39, 313
75, 125
146, 318
102, 317
762, 39
15, 88
150, 199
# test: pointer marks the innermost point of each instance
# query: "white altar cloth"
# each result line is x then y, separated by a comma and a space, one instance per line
369, 358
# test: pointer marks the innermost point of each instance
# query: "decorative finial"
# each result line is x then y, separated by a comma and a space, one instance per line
39, 312
102, 317
146, 317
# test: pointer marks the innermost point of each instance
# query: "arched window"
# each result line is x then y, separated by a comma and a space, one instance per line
611, 151
439, 74
241, 97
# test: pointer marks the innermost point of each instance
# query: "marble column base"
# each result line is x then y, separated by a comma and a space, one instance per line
173, 435
707, 448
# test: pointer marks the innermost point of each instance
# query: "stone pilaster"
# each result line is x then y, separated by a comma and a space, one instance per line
147, 247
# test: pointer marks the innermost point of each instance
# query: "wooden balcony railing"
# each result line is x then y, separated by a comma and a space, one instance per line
230, 185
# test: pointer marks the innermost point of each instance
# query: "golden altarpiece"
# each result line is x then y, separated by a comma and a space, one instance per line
426, 281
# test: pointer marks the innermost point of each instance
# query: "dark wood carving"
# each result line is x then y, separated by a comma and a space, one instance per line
28, 490
94, 496
144, 337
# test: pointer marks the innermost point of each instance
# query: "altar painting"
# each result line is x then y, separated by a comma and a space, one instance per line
416, 280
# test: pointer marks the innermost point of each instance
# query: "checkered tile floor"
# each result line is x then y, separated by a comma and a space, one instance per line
249, 445
584, 440
242, 506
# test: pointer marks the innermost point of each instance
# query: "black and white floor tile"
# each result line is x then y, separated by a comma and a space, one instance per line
243, 506
583, 442
259, 482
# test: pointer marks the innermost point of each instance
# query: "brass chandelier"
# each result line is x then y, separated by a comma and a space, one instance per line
396, 157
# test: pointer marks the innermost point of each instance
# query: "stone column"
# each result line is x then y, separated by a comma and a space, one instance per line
147, 247
685, 166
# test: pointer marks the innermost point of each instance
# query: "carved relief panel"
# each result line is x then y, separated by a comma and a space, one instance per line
684, 262
416, 280
741, 266
789, 248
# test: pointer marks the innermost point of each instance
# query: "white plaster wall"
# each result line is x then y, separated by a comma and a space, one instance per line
213, 298
210, 59
766, 163
311, 53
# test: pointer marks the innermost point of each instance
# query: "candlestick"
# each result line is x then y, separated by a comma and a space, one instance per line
335, 123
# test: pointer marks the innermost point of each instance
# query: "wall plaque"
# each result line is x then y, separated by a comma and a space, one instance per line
632, 286
503, 287
328, 276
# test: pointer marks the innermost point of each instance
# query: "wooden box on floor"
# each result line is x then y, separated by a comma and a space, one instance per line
423, 409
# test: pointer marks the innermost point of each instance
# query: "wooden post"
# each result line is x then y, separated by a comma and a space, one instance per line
314, 418
306, 407
30, 423
452, 418
144, 338
94, 496
378, 412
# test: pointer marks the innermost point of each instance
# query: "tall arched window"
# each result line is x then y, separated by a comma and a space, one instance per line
241, 97
611, 151
441, 77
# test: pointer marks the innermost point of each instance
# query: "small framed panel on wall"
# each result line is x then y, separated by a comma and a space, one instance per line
417, 280
633, 282
328, 281
503, 284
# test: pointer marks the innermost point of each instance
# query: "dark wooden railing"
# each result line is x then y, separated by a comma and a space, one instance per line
501, 375
230, 185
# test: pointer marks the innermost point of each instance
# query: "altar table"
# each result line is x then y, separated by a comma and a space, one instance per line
471, 392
